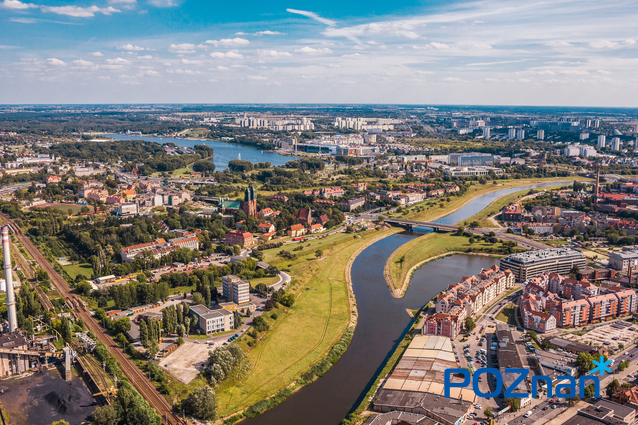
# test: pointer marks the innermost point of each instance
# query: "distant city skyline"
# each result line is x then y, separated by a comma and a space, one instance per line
567, 52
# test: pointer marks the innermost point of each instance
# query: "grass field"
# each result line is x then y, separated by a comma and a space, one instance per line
64, 208
303, 334
507, 315
265, 280
424, 247
76, 269
431, 210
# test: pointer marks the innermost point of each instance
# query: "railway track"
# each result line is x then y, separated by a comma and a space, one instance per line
135, 376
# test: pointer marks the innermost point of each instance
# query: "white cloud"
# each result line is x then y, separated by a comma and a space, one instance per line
312, 15
23, 20
452, 79
237, 41
401, 28
608, 44
79, 12
260, 33
96, 54
433, 46
424, 72
274, 53
163, 3
56, 62
629, 42
130, 47
229, 55
118, 61
313, 51
546, 72
257, 78
16, 5
182, 48
524, 80
352, 56
602, 71
183, 71
145, 57
556, 43
82, 63
220, 68
191, 62
574, 72
124, 2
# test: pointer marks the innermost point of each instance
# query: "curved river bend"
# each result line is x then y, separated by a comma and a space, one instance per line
382, 323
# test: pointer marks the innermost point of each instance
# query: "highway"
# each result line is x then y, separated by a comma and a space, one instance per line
135, 376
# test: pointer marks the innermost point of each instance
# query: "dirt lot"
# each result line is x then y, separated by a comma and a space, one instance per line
187, 361
45, 397
606, 332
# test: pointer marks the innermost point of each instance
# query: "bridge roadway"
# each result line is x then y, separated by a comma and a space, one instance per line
499, 232
412, 224
135, 376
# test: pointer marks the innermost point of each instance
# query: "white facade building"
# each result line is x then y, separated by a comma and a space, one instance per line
601, 141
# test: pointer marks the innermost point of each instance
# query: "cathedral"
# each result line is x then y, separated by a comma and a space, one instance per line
249, 206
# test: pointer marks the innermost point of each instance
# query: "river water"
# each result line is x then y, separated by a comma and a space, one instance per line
383, 322
224, 152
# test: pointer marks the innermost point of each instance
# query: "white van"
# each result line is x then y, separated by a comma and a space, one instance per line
528, 414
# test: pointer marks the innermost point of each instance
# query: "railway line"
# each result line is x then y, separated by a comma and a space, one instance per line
135, 376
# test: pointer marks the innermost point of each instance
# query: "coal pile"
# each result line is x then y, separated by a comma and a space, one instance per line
67, 403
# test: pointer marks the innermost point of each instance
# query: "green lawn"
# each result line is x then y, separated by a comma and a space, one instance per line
507, 315
425, 247
265, 280
303, 334
64, 208
76, 269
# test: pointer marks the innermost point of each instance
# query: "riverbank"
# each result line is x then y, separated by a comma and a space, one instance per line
409, 257
430, 210
495, 208
324, 310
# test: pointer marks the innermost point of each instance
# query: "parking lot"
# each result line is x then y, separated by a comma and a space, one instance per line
609, 335
187, 361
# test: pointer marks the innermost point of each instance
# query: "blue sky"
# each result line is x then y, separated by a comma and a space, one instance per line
559, 52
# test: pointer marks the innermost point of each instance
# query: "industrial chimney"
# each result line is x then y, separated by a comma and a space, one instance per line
11, 304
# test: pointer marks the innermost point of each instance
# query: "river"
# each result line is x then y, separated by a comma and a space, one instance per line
224, 152
383, 322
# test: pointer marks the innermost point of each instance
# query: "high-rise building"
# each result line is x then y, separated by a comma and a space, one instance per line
235, 289
583, 136
486, 132
540, 135
520, 134
601, 141
593, 123
511, 134
615, 143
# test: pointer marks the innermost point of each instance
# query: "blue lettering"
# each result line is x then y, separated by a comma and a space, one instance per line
548, 384
571, 386
448, 384
497, 377
509, 391
582, 384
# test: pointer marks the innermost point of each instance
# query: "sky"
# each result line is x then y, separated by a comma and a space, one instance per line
558, 52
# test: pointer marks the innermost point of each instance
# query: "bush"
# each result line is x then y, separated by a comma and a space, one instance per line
274, 316
260, 324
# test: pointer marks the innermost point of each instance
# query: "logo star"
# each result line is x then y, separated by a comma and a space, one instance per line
601, 367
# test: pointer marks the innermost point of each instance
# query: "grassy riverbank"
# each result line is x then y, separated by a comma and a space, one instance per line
421, 249
302, 335
432, 210
497, 206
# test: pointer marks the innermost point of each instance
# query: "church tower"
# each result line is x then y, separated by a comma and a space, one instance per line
249, 206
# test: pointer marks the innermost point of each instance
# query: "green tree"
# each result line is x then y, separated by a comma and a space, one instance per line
488, 412
612, 387
590, 391
469, 324
143, 333
318, 253
201, 403
60, 422
83, 288
105, 415
288, 300
584, 363
513, 404
121, 325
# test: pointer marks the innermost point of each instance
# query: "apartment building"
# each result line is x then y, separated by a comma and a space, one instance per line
603, 307
512, 212
624, 260
532, 263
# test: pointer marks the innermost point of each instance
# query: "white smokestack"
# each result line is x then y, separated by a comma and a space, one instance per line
8, 277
